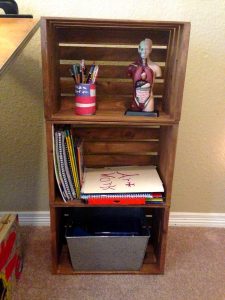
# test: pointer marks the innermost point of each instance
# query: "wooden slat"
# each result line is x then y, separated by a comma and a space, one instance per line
163, 242
107, 54
118, 102
113, 117
56, 232
105, 71
111, 36
108, 87
149, 255
181, 69
120, 147
168, 141
171, 66
51, 177
50, 70
116, 133
119, 160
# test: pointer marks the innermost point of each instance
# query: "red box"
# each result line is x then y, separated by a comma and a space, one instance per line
10, 254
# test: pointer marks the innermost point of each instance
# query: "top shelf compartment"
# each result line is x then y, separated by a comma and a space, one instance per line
113, 45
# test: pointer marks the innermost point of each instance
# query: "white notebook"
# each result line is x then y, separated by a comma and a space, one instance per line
127, 179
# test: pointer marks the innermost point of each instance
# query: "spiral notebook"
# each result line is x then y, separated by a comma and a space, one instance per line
121, 180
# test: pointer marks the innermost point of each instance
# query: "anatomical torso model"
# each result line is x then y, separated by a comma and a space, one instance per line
143, 73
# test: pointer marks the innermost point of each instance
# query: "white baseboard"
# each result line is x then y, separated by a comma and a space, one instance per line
197, 219
42, 218
32, 218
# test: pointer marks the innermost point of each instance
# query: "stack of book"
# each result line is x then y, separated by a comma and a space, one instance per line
127, 185
124, 185
68, 164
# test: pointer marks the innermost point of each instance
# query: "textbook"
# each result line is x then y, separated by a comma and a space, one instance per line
125, 179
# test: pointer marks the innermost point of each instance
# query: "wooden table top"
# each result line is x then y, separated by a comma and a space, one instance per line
15, 33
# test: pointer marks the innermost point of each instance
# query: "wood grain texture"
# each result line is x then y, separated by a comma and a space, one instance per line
51, 177
116, 133
105, 71
104, 87
50, 68
106, 117
107, 54
182, 55
167, 153
119, 103
110, 137
15, 33
93, 161
110, 35
120, 147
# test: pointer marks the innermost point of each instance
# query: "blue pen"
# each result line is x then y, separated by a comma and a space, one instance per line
76, 73
90, 73
95, 74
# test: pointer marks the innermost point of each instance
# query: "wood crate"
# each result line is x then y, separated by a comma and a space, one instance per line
113, 45
110, 137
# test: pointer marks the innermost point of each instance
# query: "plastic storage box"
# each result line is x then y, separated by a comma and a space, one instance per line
108, 239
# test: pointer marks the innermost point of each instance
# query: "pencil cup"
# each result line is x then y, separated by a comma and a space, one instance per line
85, 99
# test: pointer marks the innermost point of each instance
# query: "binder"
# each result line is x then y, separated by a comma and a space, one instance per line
65, 164
72, 159
117, 200
56, 166
62, 164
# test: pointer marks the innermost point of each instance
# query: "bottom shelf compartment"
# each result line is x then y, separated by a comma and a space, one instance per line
65, 261
150, 265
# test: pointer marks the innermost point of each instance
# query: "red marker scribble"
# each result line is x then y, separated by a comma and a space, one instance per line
106, 180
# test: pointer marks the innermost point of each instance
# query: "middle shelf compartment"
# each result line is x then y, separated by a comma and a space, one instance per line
113, 146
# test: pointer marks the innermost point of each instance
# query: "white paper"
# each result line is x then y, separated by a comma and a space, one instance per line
128, 179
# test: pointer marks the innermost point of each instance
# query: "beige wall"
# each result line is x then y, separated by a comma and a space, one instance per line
199, 179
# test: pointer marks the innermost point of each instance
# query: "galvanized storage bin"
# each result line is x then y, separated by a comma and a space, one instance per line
111, 239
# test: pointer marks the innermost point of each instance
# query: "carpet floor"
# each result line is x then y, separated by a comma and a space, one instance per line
195, 269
